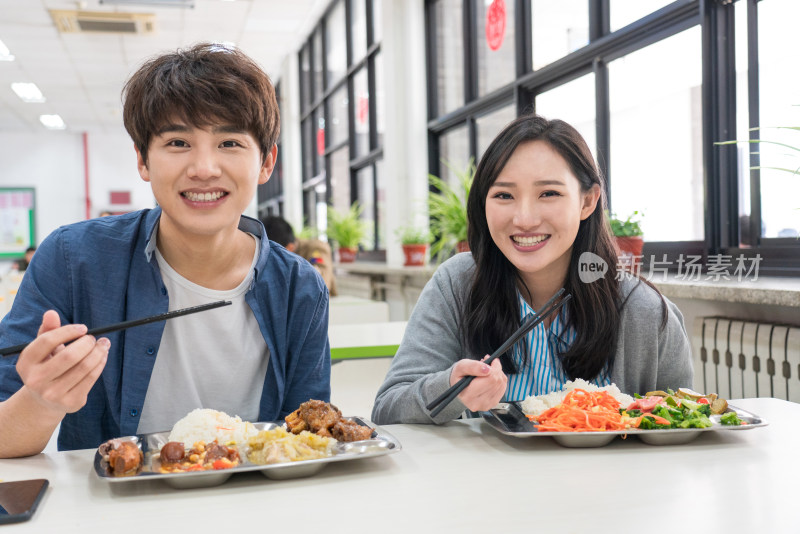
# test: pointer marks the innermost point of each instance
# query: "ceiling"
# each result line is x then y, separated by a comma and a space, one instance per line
81, 74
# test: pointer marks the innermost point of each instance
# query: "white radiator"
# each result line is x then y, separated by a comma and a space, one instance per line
737, 359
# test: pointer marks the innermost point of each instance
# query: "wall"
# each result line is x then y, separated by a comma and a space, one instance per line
53, 163
112, 167
765, 313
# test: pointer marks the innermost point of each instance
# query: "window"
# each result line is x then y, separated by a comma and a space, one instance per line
358, 29
449, 73
318, 66
656, 137
494, 37
652, 91
365, 182
624, 12
305, 77
489, 125
455, 154
340, 179
341, 127
558, 28
361, 112
379, 126
335, 44
778, 106
269, 196
337, 130
573, 102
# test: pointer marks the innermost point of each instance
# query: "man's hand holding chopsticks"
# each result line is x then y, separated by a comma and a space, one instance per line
58, 377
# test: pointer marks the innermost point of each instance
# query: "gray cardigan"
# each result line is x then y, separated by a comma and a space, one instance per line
647, 357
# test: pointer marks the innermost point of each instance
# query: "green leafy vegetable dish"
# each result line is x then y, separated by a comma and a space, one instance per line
682, 409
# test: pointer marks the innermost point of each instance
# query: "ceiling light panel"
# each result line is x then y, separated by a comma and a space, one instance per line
28, 92
52, 122
5, 53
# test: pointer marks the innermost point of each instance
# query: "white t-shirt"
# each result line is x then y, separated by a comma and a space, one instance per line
215, 359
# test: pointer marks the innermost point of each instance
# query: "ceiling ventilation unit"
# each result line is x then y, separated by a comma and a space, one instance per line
71, 21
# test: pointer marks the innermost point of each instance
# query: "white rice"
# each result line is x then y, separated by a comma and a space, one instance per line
534, 405
207, 425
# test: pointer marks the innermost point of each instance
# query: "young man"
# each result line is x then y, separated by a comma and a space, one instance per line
204, 122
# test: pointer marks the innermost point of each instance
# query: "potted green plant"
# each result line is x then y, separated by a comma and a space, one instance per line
348, 230
781, 158
628, 234
447, 208
415, 243
794, 149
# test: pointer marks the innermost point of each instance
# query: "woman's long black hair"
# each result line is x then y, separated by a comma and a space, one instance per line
492, 309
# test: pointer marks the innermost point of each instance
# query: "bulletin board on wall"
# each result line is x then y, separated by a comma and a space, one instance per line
17, 220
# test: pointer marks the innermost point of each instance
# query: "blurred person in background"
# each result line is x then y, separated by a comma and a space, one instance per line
280, 231
318, 253
22, 263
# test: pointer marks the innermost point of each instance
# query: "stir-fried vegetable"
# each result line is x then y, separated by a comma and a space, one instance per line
730, 418
684, 409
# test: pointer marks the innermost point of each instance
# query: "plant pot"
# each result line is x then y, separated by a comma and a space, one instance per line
347, 255
416, 254
630, 253
462, 246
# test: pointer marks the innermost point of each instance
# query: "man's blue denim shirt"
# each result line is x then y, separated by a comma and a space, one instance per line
103, 271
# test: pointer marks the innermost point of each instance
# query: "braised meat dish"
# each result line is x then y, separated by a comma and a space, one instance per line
325, 419
345, 430
123, 457
315, 416
201, 457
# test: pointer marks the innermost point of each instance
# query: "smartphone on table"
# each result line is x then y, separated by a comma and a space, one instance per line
19, 499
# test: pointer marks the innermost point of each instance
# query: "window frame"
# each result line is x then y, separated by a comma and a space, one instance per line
780, 256
320, 98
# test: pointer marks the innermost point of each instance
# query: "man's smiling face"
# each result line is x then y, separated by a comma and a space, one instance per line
204, 178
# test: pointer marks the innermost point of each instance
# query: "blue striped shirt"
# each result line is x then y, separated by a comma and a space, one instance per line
541, 372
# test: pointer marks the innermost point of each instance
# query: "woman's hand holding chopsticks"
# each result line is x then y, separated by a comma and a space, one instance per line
486, 389
551, 306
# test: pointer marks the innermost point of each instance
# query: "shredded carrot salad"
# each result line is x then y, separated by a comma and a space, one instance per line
582, 411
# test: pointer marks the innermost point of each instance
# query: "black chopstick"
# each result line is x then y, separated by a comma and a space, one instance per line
439, 403
8, 351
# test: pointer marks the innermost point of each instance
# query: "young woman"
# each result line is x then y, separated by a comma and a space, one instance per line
535, 215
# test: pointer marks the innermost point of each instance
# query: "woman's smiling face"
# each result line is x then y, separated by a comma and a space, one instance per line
534, 209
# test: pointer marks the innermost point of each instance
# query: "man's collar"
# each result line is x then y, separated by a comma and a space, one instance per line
246, 224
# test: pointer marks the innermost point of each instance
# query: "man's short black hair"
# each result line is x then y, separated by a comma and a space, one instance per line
278, 230
206, 85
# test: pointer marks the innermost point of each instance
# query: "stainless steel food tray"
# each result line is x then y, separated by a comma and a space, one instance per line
508, 419
379, 444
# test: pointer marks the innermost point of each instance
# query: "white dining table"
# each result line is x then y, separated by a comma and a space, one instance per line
462, 477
